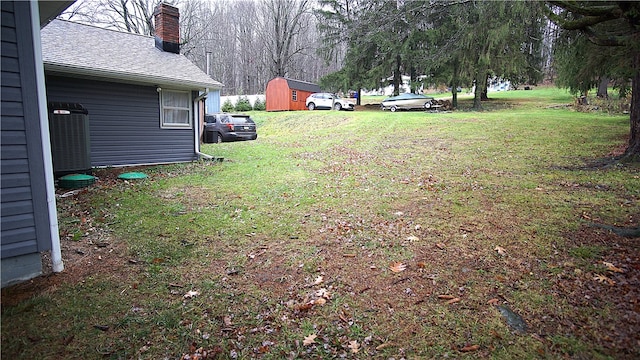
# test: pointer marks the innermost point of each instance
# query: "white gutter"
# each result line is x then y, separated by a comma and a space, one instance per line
56, 254
196, 127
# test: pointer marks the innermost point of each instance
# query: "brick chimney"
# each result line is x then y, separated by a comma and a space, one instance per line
166, 18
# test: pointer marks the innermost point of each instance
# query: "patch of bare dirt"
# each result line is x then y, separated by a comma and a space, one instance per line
93, 255
87, 246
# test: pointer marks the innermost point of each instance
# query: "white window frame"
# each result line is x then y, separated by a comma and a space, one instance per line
165, 125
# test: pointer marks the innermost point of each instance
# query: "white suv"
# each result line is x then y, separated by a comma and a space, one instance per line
328, 101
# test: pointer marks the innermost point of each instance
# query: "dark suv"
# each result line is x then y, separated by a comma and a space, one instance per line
228, 127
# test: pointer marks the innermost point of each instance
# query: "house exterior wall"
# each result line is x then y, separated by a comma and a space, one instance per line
25, 228
124, 122
213, 102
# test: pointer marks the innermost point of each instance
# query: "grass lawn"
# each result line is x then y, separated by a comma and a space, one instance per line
361, 235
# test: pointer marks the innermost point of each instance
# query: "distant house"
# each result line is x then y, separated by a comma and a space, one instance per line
143, 98
288, 94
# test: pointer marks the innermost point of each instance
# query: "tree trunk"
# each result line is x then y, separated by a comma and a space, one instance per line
481, 75
454, 96
602, 88
397, 77
633, 151
454, 83
414, 80
485, 86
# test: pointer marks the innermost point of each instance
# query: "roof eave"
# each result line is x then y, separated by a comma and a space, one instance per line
131, 78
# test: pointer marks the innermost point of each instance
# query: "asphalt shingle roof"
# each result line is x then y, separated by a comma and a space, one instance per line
80, 49
302, 85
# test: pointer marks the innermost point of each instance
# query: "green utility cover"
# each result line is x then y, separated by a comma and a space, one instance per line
132, 176
75, 181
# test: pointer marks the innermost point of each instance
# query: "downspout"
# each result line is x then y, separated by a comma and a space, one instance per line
195, 102
196, 127
56, 254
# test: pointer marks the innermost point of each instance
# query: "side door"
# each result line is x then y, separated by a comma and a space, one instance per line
327, 101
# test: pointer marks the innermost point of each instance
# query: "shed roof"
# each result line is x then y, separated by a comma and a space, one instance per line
302, 85
86, 50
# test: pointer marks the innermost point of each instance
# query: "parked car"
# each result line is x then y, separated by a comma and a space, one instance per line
228, 127
328, 101
407, 101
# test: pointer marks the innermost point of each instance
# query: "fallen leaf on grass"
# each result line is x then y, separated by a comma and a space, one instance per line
304, 307
604, 279
383, 346
470, 348
318, 280
446, 297
349, 255
323, 293
227, 320
354, 346
422, 265
612, 267
319, 301
493, 301
397, 267
413, 238
501, 251
190, 294
441, 246
452, 301
308, 340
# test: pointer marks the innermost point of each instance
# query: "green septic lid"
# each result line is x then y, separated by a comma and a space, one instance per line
132, 176
77, 177
74, 181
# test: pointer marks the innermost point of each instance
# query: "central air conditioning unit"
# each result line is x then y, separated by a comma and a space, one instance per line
70, 138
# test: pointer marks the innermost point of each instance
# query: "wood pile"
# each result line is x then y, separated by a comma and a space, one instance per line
441, 105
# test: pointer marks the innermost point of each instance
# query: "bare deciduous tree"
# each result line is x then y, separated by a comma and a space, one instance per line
284, 21
134, 16
249, 41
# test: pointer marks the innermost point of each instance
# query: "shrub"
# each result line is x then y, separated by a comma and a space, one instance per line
243, 104
259, 105
227, 106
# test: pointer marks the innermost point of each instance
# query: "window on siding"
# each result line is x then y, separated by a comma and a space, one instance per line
294, 95
175, 109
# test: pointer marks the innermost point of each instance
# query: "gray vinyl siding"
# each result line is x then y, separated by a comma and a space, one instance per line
124, 122
25, 219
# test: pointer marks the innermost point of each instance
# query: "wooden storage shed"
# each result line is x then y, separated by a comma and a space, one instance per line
288, 94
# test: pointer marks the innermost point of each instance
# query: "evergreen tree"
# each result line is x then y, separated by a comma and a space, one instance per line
613, 30
447, 41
